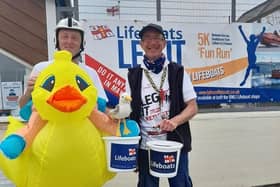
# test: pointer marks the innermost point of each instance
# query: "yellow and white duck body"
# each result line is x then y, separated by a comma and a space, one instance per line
68, 150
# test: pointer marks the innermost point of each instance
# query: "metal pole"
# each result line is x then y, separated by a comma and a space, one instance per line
76, 9
158, 6
233, 10
119, 6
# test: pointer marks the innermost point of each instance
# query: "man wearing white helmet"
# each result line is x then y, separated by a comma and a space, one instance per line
69, 35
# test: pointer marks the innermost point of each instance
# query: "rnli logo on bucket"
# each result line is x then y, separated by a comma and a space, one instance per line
132, 152
161, 162
123, 156
169, 159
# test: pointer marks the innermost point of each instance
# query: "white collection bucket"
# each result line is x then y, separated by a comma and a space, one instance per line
164, 157
121, 153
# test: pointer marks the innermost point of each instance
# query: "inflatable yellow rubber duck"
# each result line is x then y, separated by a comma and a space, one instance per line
61, 146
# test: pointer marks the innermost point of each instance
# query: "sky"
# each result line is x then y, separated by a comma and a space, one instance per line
187, 11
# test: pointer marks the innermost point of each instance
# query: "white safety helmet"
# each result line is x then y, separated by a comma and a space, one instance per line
71, 24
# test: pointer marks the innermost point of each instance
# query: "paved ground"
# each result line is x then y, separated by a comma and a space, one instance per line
236, 149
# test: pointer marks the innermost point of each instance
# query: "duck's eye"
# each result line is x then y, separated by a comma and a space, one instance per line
81, 83
49, 83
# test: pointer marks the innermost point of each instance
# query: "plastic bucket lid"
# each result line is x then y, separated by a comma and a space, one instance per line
121, 153
164, 158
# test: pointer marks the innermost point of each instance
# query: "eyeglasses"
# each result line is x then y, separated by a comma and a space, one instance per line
149, 39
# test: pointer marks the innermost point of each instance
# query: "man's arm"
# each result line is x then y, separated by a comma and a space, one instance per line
27, 94
103, 122
32, 128
188, 113
24, 98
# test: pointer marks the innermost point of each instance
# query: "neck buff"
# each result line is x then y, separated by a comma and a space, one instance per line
156, 65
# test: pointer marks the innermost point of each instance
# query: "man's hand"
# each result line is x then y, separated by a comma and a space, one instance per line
30, 84
167, 125
27, 94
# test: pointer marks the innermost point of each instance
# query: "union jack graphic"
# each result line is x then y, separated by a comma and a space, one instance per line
100, 32
169, 159
132, 152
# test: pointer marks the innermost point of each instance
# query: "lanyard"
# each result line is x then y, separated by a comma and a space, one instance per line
158, 90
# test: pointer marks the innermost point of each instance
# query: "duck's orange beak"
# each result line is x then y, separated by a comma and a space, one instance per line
67, 99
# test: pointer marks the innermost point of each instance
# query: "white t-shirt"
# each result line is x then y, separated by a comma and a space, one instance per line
92, 73
152, 112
